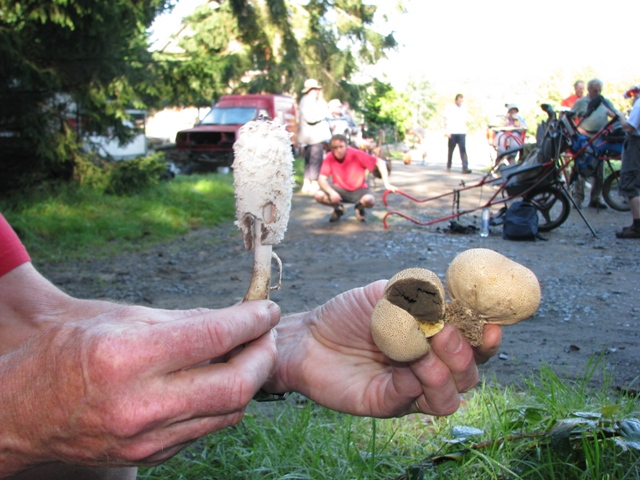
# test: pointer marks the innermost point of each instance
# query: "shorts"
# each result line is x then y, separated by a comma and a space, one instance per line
629, 184
351, 197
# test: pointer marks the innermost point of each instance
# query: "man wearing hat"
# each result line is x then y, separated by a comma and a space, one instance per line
313, 132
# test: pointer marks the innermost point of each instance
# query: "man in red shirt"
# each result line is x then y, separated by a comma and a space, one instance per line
578, 88
347, 167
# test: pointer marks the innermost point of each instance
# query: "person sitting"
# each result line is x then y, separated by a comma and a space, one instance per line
346, 167
511, 133
592, 112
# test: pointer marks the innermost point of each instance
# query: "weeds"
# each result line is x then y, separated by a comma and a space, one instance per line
553, 429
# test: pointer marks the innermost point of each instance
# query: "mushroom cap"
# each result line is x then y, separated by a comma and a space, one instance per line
411, 310
502, 291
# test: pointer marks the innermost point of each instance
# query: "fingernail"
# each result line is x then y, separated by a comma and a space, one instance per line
274, 312
454, 342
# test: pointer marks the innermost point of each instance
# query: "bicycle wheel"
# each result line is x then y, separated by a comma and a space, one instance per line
611, 195
553, 207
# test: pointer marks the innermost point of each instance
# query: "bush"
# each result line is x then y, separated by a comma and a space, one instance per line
129, 177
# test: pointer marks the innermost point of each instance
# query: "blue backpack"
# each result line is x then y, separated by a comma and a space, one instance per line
520, 222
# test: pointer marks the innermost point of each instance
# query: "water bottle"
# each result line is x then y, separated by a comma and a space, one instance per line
484, 225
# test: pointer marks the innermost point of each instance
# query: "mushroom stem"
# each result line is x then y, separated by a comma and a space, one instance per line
259, 285
466, 319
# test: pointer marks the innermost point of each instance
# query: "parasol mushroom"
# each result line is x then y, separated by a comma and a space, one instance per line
263, 183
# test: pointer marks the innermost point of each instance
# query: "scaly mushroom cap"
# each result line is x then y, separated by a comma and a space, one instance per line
263, 180
500, 290
410, 311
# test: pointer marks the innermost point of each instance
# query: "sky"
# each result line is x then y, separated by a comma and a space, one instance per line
468, 39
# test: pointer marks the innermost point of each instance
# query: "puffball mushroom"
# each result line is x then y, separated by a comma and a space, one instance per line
411, 309
263, 183
485, 287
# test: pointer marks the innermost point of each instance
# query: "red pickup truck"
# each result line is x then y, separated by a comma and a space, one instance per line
210, 143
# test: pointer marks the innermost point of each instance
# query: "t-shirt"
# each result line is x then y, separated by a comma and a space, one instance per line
634, 118
570, 100
455, 119
597, 119
350, 173
12, 252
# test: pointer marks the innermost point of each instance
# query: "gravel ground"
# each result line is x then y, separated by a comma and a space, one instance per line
590, 285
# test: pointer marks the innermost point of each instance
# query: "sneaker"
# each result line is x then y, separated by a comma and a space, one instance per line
597, 205
337, 213
628, 232
466, 170
448, 169
360, 212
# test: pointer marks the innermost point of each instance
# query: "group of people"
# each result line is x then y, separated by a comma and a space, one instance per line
335, 172
592, 113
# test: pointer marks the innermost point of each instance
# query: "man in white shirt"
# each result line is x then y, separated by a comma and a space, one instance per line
455, 126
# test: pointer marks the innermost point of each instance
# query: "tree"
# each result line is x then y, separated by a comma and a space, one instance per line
252, 46
388, 109
66, 66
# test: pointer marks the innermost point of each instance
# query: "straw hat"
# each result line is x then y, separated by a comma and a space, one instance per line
310, 84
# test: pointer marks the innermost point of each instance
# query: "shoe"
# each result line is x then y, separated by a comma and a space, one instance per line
628, 232
337, 213
360, 212
466, 170
448, 170
597, 205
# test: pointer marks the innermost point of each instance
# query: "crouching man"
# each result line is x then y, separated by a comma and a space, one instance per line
347, 168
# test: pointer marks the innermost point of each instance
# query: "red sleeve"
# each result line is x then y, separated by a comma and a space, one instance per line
325, 168
12, 252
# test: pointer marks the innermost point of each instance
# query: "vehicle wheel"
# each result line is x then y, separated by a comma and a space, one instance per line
553, 207
611, 195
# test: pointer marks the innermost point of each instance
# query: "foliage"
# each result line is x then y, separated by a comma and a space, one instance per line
386, 107
253, 46
553, 428
127, 178
67, 68
71, 221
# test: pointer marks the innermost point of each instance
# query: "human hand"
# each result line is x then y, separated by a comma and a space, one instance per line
131, 386
335, 197
390, 187
328, 354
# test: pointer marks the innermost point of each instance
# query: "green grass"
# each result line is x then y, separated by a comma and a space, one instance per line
72, 222
76, 222
550, 429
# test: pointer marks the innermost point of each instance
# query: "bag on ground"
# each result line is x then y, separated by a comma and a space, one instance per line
520, 222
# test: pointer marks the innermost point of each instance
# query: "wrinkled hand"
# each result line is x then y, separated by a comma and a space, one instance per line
328, 355
132, 386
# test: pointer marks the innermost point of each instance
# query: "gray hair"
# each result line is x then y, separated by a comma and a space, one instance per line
595, 81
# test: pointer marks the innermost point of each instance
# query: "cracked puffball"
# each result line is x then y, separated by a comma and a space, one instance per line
411, 310
484, 287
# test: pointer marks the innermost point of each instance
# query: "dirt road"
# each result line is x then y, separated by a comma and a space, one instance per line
590, 285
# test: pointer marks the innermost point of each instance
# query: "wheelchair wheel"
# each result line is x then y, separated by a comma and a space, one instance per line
553, 207
611, 195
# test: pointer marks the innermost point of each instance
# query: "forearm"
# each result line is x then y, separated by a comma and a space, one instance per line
29, 304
